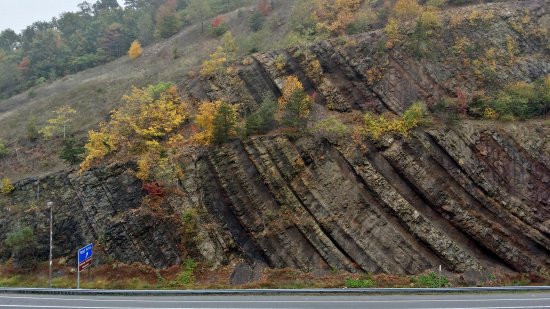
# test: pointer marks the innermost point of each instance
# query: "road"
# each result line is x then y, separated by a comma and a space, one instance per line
477, 301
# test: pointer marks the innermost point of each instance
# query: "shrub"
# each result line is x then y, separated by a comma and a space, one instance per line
186, 276
218, 27
153, 189
432, 280
518, 100
22, 243
7, 186
359, 283
332, 129
3, 149
377, 126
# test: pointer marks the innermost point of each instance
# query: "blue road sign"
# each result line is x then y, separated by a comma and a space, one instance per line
85, 253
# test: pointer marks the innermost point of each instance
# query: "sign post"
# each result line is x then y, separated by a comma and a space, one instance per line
84, 261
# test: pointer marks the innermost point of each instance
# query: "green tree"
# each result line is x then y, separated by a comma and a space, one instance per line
32, 130
262, 120
225, 122
22, 243
199, 11
72, 153
256, 21
3, 149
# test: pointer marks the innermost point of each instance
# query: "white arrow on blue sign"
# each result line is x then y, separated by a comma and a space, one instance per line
85, 253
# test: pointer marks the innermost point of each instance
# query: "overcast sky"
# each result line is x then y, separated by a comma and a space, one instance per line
18, 14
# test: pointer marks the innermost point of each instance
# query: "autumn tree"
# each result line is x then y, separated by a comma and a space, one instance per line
217, 122
168, 20
409, 18
335, 16
149, 116
294, 104
7, 186
229, 45
135, 50
376, 126
215, 65
60, 123
198, 11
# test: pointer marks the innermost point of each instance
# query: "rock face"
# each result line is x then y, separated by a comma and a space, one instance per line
101, 206
473, 197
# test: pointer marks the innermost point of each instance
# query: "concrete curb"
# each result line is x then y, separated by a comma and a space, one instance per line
275, 292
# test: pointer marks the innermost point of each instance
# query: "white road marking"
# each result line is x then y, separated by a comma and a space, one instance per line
277, 301
80, 307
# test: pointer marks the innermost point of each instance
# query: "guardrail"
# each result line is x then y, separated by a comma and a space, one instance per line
267, 292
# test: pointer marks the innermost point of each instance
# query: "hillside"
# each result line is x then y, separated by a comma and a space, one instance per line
467, 190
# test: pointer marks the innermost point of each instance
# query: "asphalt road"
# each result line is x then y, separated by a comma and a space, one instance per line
477, 301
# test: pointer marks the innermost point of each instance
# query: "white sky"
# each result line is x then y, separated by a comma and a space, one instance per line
18, 14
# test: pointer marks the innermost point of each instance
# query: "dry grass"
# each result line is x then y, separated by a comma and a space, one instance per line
138, 276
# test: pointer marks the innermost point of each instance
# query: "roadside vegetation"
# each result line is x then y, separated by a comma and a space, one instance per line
192, 275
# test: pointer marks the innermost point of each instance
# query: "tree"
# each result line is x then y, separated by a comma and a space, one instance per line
72, 152
198, 11
335, 16
32, 130
256, 21
3, 149
263, 119
225, 122
167, 18
59, 123
215, 65
294, 104
135, 50
8, 40
217, 121
149, 115
111, 41
104, 5
22, 243
229, 45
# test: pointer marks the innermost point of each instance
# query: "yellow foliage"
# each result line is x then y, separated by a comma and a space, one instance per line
135, 50
294, 103
7, 187
406, 9
60, 123
100, 144
393, 32
461, 45
512, 48
280, 62
377, 126
149, 115
217, 121
229, 45
375, 74
490, 114
335, 16
205, 120
215, 65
